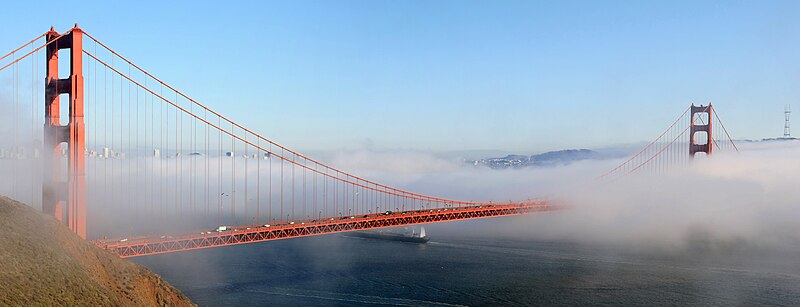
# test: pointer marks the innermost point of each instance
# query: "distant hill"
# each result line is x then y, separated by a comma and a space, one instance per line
42, 263
550, 158
780, 139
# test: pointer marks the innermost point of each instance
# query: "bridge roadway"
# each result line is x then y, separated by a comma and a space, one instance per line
142, 246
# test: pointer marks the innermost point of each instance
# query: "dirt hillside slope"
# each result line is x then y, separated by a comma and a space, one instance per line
43, 263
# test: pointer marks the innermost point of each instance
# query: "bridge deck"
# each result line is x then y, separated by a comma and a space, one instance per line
134, 247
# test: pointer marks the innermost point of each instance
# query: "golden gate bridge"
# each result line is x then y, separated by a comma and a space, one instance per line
129, 144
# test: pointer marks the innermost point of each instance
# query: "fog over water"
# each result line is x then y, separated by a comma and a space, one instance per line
718, 231
750, 196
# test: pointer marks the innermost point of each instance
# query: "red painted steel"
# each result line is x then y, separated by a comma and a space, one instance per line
52, 200
143, 246
694, 147
56, 193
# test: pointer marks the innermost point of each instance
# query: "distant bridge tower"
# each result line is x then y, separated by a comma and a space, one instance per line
786, 132
701, 123
58, 190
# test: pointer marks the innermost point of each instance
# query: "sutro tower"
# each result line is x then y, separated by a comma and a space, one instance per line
786, 132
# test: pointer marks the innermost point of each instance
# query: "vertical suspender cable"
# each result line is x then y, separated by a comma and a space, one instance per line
219, 170
270, 185
233, 177
246, 158
246, 174
281, 182
293, 187
258, 182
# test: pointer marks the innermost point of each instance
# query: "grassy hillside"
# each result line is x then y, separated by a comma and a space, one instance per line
43, 263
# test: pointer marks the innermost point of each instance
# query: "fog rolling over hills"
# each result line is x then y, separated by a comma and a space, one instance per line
44, 264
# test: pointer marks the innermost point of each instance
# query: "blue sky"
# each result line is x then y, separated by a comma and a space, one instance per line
523, 76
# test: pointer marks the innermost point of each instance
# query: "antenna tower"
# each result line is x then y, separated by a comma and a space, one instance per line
786, 131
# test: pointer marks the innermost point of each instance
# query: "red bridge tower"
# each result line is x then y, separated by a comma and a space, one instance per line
703, 114
56, 189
